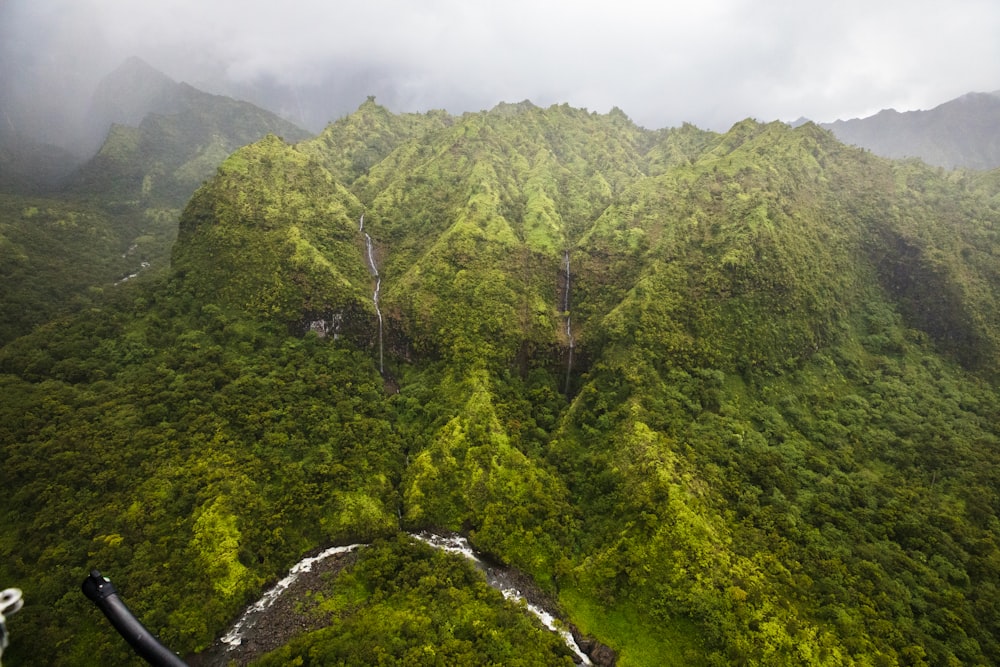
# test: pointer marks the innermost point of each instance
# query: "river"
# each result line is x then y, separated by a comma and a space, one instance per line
259, 629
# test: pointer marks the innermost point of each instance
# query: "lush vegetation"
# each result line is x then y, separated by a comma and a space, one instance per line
406, 603
776, 442
57, 256
69, 232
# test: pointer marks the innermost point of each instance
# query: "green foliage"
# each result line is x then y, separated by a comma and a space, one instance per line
55, 257
776, 443
470, 475
189, 446
280, 250
116, 216
639, 640
419, 606
351, 146
159, 163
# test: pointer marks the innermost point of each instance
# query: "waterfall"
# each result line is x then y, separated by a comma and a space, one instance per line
378, 311
369, 250
569, 325
373, 269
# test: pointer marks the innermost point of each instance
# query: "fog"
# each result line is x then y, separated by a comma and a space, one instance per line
710, 63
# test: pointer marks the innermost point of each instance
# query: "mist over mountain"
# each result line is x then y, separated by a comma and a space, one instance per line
960, 133
136, 91
129, 93
71, 230
31, 167
722, 397
165, 137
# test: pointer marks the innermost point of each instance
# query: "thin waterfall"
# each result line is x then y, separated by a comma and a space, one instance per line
370, 253
378, 311
373, 269
569, 324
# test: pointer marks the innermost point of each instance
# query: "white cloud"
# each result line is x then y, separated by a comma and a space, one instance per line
712, 62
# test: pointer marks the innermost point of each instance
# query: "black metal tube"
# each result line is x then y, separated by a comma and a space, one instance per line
101, 592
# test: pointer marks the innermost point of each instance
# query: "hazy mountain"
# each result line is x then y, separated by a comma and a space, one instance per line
132, 91
165, 137
114, 216
29, 167
960, 133
725, 398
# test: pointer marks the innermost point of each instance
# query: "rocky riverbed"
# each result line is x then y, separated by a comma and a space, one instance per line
286, 612
276, 625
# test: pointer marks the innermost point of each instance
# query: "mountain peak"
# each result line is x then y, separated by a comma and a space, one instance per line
132, 90
134, 66
957, 133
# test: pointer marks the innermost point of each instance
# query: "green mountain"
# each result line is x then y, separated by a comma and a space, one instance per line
958, 133
29, 167
165, 138
116, 215
725, 398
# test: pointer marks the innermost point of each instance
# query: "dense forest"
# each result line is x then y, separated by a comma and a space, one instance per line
726, 398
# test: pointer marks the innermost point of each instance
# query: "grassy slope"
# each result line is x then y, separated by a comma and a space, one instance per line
779, 448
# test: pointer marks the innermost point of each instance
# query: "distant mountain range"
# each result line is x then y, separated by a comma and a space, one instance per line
68, 224
165, 137
151, 138
960, 133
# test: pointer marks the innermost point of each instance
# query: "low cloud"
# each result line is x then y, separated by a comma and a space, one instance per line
710, 63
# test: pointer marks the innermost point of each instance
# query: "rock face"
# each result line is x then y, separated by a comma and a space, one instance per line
603, 655
600, 654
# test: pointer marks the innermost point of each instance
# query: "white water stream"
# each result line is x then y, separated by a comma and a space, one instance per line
234, 637
569, 325
453, 544
142, 267
459, 545
373, 269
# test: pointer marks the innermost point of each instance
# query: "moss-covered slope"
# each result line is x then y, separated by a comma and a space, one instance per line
731, 398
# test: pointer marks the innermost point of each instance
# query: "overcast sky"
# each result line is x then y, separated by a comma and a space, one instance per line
708, 62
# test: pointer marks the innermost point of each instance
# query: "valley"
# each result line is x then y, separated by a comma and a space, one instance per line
725, 398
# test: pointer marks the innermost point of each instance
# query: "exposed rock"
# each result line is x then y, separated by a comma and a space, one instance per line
599, 653
603, 656
282, 621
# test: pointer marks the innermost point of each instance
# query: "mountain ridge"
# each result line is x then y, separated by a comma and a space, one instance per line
165, 137
957, 133
728, 398
130, 192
